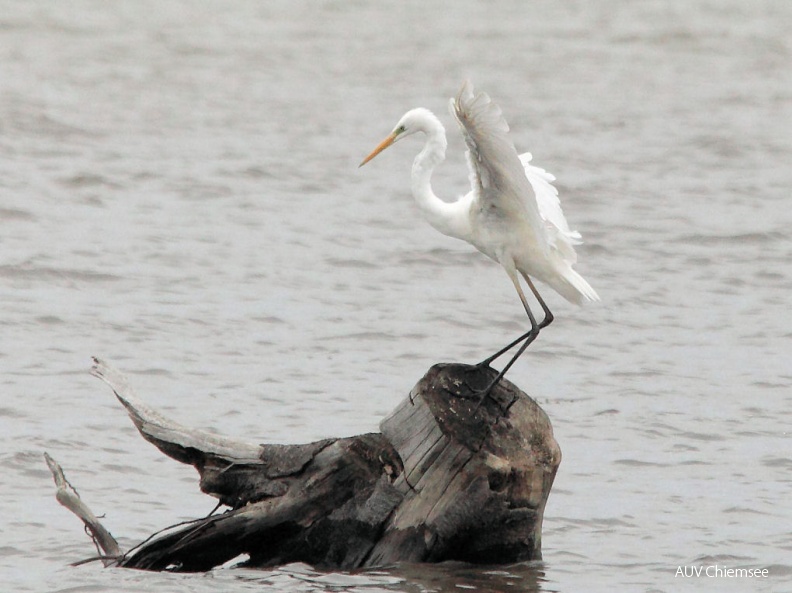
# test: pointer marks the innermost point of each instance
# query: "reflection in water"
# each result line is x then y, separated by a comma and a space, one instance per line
447, 577
451, 576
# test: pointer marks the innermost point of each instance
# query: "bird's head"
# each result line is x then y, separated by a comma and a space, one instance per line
415, 120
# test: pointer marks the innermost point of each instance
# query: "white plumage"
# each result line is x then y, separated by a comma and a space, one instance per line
512, 215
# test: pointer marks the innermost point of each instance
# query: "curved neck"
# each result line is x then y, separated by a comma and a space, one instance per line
448, 218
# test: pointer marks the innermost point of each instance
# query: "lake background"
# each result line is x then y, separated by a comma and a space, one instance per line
179, 195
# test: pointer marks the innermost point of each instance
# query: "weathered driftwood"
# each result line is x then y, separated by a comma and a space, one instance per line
67, 495
448, 478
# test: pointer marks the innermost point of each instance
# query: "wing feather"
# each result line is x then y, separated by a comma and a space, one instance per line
558, 231
496, 173
506, 181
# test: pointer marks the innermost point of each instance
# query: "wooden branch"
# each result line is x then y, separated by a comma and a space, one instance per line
327, 513
170, 437
68, 497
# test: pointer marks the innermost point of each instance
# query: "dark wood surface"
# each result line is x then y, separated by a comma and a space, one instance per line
451, 476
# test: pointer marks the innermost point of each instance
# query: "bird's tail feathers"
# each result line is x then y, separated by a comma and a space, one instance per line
574, 288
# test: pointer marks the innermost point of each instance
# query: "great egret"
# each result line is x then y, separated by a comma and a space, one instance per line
512, 215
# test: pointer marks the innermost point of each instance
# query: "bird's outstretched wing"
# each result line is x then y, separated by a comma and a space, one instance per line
496, 173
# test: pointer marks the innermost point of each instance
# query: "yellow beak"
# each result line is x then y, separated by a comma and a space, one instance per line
380, 147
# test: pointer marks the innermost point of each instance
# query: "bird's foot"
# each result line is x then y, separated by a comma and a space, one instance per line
481, 383
481, 386
485, 364
480, 396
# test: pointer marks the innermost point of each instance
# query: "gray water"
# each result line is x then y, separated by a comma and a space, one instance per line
179, 195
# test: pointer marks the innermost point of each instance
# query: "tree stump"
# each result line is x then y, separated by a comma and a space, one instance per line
450, 477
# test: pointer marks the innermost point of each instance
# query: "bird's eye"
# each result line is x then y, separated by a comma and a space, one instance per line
401, 129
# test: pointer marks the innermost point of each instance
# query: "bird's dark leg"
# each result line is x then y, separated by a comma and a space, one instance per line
548, 316
529, 337
526, 338
486, 362
548, 319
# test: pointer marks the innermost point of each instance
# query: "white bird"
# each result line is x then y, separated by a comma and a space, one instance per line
512, 215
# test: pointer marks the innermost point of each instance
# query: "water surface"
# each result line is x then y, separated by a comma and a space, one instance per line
179, 195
